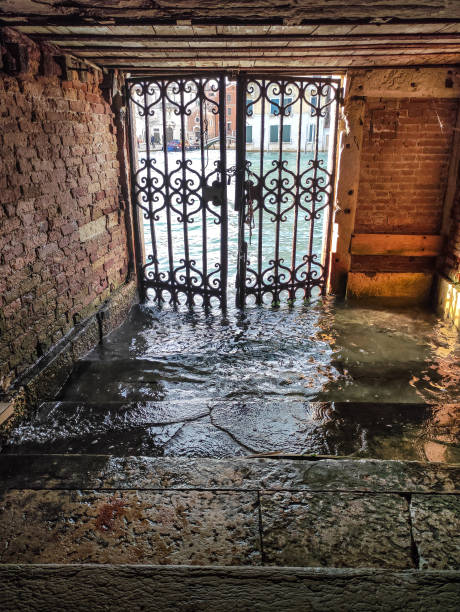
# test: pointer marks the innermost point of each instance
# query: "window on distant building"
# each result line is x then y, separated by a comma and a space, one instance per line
275, 130
286, 102
274, 106
229, 111
314, 102
249, 133
311, 132
274, 133
286, 133
229, 126
229, 98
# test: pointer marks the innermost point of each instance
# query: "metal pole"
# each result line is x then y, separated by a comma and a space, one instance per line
240, 188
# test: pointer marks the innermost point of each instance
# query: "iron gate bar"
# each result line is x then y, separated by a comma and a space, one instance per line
240, 167
316, 190
183, 191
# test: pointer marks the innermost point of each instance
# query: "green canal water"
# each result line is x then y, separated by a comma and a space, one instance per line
213, 230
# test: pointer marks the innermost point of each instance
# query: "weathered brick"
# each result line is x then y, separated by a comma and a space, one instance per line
404, 165
50, 133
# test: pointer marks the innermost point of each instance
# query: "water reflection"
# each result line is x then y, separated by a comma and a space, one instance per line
313, 379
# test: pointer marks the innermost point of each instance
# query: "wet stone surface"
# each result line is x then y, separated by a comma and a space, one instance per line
195, 527
202, 438
311, 380
320, 352
229, 428
336, 530
436, 529
108, 472
79, 588
182, 511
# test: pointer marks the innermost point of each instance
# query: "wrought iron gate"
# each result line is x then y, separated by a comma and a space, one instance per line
171, 116
285, 193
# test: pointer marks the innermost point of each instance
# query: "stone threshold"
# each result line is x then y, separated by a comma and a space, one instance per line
109, 472
79, 588
242, 512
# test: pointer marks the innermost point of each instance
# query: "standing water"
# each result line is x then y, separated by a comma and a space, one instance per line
328, 378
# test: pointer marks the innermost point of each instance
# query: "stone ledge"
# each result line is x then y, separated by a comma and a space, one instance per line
326, 513
447, 300
79, 588
48, 375
182, 473
230, 527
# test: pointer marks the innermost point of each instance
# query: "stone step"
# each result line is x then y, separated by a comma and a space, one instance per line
204, 427
67, 471
183, 376
240, 512
201, 426
79, 588
131, 380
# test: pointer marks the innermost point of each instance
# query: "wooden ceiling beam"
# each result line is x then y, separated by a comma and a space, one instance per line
86, 51
261, 55
312, 69
399, 60
245, 19
140, 38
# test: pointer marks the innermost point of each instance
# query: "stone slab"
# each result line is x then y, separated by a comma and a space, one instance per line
107, 472
92, 229
329, 530
80, 588
68, 424
203, 439
278, 425
194, 527
411, 286
356, 429
436, 530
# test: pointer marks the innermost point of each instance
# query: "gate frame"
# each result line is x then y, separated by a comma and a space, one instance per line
241, 79
159, 287
241, 165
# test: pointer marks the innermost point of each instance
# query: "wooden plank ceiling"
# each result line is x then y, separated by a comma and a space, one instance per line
146, 35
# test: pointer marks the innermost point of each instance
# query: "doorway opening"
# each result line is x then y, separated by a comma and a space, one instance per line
233, 187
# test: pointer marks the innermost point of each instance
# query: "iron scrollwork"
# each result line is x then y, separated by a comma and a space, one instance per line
291, 191
174, 197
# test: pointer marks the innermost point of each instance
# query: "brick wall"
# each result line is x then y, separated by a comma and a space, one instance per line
404, 164
62, 232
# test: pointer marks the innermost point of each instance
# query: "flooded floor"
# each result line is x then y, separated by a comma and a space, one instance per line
330, 378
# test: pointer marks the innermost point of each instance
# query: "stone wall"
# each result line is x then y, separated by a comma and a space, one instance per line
62, 230
402, 145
